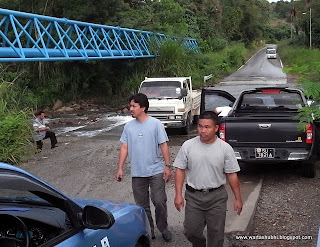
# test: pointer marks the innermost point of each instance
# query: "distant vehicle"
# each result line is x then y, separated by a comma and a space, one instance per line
33, 213
269, 47
173, 101
271, 53
262, 127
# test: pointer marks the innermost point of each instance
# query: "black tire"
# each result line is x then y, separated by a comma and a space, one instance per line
139, 244
142, 242
195, 119
309, 169
186, 129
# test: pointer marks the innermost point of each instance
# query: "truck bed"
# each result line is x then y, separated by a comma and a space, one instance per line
196, 99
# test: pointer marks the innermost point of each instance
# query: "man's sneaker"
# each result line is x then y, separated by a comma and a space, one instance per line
166, 235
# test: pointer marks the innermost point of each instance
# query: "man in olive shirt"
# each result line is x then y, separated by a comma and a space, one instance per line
208, 162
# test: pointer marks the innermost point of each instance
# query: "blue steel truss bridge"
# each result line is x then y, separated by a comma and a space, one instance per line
29, 37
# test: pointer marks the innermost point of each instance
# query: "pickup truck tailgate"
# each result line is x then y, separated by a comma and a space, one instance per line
279, 130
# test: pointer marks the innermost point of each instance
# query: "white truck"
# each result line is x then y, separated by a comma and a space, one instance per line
172, 101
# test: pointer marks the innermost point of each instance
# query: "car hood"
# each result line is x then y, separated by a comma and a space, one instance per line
110, 205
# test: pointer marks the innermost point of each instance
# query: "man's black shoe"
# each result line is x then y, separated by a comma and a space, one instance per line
166, 235
55, 146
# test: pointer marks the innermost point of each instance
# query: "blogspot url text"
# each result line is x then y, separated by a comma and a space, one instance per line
273, 237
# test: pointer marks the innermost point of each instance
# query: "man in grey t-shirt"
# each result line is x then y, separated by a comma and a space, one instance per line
208, 162
42, 132
144, 139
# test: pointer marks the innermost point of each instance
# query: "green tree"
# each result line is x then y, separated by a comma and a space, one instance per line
283, 9
231, 22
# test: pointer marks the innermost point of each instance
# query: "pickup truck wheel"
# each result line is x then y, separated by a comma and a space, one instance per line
186, 129
309, 169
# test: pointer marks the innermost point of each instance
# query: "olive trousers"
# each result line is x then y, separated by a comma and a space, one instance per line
141, 194
205, 209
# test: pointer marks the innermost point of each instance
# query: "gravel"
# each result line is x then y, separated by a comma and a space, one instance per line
288, 208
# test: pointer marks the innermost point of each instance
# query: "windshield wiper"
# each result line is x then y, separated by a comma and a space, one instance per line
282, 108
23, 199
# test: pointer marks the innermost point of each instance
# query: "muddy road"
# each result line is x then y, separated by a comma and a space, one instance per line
85, 162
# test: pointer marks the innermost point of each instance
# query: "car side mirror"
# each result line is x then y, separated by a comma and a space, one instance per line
310, 102
97, 218
184, 92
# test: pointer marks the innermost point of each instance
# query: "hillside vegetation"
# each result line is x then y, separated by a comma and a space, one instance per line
227, 31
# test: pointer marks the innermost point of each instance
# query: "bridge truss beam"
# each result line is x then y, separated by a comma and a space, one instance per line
29, 37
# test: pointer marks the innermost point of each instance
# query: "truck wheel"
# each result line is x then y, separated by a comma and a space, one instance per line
186, 129
195, 119
309, 169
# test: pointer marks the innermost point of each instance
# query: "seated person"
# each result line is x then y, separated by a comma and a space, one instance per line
42, 132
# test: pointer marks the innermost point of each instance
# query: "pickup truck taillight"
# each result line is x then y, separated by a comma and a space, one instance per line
222, 132
309, 131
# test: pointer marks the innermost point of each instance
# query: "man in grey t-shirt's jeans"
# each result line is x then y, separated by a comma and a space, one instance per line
208, 162
144, 139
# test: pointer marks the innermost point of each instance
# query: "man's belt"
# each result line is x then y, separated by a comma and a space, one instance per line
191, 189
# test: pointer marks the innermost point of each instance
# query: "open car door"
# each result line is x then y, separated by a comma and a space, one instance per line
216, 100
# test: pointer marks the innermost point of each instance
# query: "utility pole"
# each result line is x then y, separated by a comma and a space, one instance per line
291, 26
310, 45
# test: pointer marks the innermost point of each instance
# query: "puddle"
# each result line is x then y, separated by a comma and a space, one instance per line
103, 124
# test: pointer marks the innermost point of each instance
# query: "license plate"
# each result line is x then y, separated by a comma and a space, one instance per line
264, 153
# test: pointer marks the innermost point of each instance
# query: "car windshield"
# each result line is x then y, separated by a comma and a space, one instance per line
277, 101
161, 89
272, 51
20, 196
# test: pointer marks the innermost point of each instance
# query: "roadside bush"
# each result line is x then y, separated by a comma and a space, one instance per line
217, 44
299, 56
175, 60
304, 63
298, 40
15, 130
235, 57
15, 137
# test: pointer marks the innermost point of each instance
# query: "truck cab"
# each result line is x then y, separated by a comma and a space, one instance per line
172, 101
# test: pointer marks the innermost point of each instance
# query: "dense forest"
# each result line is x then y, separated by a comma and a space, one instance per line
214, 23
227, 31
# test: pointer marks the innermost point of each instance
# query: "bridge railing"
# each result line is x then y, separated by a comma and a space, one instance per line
30, 37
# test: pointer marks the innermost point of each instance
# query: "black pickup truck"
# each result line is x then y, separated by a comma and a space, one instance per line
261, 126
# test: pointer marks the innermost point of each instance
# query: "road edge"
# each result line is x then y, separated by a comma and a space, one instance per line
242, 222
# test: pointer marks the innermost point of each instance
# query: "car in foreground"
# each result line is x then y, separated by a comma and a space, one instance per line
34, 213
